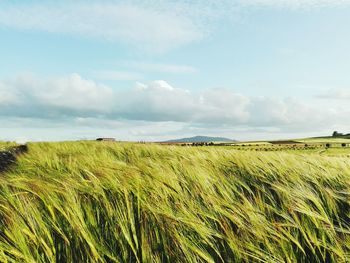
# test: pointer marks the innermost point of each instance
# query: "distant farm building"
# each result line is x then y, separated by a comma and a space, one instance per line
106, 139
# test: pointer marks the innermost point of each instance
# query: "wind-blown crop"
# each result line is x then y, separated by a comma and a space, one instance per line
110, 202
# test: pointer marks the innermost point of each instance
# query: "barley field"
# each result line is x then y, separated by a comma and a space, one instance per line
6, 145
128, 202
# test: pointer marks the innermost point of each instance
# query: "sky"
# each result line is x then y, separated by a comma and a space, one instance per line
153, 70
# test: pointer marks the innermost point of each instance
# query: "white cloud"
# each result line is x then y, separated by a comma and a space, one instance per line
141, 25
76, 93
157, 85
152, 25
31, 95
75, 98
7, 96
335, 94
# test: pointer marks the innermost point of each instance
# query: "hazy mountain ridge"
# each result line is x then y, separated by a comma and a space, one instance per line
202, 139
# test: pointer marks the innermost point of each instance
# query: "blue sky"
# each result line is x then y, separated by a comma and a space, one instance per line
153, 70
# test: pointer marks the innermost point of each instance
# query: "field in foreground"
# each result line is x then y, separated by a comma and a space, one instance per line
111, 202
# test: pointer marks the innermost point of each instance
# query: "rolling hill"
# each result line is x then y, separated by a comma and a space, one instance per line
201, 139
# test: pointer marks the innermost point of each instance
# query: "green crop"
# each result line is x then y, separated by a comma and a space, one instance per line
112, 202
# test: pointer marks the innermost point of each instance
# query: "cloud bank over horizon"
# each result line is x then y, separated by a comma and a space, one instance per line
86, 103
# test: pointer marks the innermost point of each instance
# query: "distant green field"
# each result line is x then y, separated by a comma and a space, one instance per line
325, 140
128, 202
308, 145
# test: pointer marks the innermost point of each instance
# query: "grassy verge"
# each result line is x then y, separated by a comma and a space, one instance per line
110, 202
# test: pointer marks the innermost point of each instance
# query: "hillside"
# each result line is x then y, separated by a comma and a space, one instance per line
200, 139
112, 202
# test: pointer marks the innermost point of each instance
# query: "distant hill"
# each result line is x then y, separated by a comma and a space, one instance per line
201, 139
